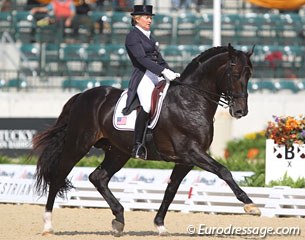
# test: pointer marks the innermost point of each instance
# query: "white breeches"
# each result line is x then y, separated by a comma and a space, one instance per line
146, 87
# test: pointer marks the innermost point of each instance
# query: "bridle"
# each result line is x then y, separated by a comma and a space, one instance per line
226, 99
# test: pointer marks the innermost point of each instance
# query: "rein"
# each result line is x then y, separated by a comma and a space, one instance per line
225, 99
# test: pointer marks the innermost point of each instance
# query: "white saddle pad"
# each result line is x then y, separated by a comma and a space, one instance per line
127, 123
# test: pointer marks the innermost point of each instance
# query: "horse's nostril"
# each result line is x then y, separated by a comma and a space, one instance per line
241, 112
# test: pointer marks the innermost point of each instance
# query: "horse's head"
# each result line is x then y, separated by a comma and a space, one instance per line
221, 74
238, 71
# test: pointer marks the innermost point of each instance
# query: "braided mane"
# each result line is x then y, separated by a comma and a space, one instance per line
202, 57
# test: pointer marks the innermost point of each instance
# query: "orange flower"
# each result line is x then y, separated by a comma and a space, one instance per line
291, 124
252, 153
226, 154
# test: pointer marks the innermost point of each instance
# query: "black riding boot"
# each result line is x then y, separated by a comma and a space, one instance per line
139, 149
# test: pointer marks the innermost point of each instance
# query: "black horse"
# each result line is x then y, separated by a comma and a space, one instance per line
183, 134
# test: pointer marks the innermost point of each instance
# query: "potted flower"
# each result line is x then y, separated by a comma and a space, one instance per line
285, 148
287, 130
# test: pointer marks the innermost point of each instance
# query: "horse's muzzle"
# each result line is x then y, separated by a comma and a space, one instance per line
239, 113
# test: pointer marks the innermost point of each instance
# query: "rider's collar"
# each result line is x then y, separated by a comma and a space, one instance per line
145, 32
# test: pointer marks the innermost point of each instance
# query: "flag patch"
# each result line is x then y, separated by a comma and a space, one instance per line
121, 120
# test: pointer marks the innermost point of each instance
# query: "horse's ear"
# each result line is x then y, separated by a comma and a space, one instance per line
249, 53
230, 49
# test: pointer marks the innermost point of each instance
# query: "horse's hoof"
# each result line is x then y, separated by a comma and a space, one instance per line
162, 231
252, 209
117, 228
47, 233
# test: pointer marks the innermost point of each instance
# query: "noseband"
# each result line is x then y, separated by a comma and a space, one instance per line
229, 96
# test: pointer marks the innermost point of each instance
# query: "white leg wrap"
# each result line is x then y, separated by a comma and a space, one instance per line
162, 231
47, 219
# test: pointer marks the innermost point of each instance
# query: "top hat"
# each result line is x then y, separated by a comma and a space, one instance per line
142, 10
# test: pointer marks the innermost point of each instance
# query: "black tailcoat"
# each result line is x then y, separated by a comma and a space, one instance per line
144, 55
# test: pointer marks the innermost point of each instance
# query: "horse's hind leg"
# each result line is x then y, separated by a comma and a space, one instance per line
114, 160
67, 161
178, 174
222, 172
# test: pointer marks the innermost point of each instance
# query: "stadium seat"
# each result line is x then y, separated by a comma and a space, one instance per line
124, 83
252, 86
51, 64
110, 82
49, 34
24, 25
300, 84
269, 28
268, 85
73, 57
205, 29
79, 84
229, 23
187, 31
163, 28
97, 59
30, 56
267, 61
174, 57
288, 84
6, 23
119, 64
291, 26
120, 27
102, 29
17, 83
247, 29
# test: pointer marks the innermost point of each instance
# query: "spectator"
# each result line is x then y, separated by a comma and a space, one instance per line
83, 19
181, 4
31, 4
186, 4
175, 4
123, 5
6, 6
63, 10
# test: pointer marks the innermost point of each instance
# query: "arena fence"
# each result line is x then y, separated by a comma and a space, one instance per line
143, 189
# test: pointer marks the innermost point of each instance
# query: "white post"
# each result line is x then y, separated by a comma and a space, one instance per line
217, 23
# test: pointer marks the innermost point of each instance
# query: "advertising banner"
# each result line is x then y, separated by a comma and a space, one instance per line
16, 134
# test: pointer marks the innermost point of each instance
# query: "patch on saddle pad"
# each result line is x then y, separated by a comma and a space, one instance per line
127, 122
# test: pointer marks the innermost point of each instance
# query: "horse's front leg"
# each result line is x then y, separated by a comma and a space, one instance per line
211, 165
114, 160
179, 172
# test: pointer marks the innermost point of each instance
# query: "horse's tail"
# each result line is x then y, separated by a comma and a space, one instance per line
49, 145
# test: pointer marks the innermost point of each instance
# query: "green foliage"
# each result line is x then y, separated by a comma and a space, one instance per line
240, 149
25, 160
247, 154
288, 181
5, 160
95, 161
136, 163
92, 161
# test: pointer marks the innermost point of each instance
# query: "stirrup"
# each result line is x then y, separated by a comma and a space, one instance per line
139, 151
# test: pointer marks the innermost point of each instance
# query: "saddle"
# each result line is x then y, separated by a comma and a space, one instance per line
126, 122
155, 97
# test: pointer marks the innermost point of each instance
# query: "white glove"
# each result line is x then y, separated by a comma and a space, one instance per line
169, 74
